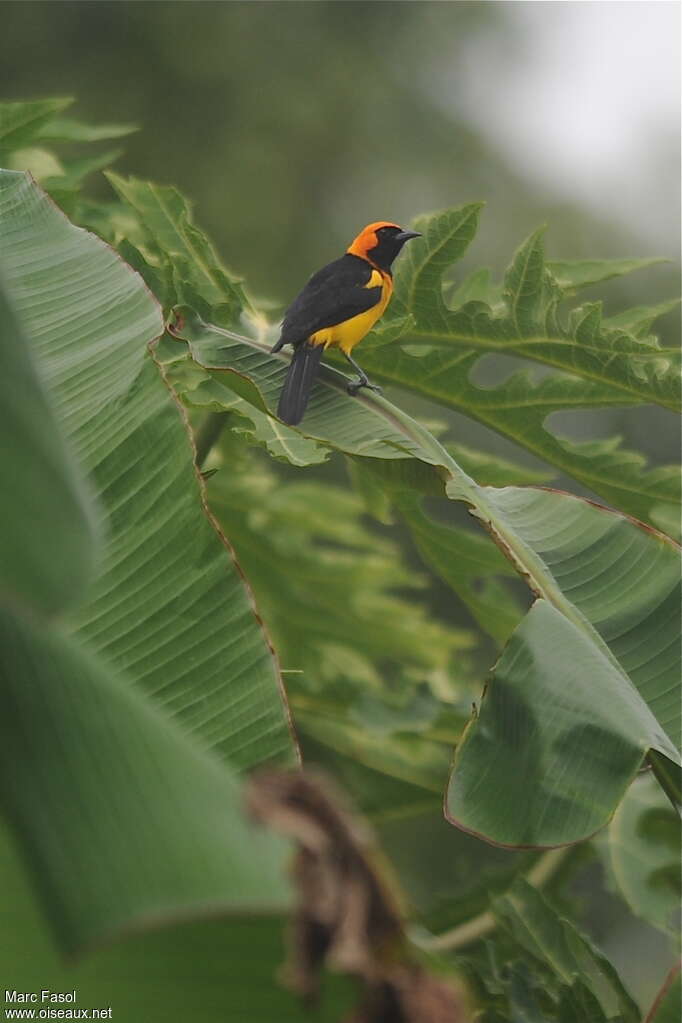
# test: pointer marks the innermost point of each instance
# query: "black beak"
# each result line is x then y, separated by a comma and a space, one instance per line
404, 236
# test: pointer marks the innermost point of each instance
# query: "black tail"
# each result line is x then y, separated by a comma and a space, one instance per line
300, 378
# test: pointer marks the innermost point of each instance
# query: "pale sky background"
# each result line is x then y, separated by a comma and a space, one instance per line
585, 99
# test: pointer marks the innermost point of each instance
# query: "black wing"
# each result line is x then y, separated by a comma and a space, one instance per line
334, 294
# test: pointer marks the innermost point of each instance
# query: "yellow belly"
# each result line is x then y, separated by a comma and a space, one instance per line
346, 335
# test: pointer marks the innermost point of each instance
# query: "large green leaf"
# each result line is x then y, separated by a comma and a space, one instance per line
221, 970
128, 434
603, 365
612, 684
47, 535
119, 714
599, 648
124, 819
560, 733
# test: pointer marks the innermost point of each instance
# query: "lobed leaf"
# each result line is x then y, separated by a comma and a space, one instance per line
22, 122
196, 271
602, 363
557, 944
573, 274
69, 129
640, 319
529, 326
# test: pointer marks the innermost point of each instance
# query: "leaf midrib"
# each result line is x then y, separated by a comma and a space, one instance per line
516, 348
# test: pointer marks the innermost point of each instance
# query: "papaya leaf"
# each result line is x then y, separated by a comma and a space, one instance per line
525, 914
165, 218
531, 326
75, 171
129, 715
519, 409
22, 122
246, 368
600, 645
69, 129
527, 990
33, 122
280, 441
640, 319
602, 363
573, 274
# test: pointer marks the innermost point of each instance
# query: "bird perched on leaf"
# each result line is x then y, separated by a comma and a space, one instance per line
338, 306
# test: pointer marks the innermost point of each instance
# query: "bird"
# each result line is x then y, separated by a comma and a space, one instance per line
337, 307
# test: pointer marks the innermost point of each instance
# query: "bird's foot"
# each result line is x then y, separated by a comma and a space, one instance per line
356, 385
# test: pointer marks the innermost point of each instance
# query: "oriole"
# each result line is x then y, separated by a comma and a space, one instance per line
338, 306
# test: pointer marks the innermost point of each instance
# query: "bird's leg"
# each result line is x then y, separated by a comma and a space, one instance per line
363, 380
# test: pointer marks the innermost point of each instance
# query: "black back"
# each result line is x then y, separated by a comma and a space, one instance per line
334, 294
